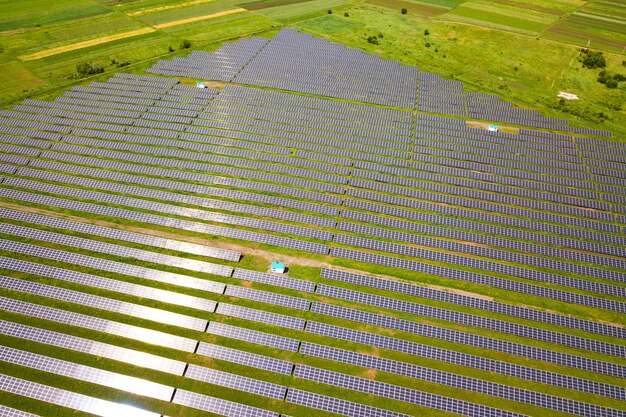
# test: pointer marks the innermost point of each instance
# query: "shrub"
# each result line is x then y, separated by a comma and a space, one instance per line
185, 44
330, 11
380, 35
373, 40
593, 59
346, 14
515, 69
611, 83
426, 32
170, 49
619, 77
404, 10
123, 63
427, 45
89, 68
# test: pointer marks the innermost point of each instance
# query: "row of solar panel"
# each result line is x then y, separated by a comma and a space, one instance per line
241, 208
473, 302
384, 246
462, 275
157, 219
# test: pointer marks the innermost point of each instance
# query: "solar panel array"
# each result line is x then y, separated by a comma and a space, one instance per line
533, 213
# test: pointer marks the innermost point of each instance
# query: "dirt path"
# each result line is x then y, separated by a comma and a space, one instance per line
199, 18
163, 8
79, 45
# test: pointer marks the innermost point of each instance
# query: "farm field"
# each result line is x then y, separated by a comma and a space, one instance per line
433, 268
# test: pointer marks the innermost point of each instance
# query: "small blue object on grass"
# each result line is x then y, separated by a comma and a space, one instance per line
278, 267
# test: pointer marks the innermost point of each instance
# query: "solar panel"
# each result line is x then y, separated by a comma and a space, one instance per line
86, 373
268, 297
134, 357
245, 358
253, 336
218, 406
152, 337
113, 266
169, 297
109, 304
70, 399
124, 235
260, 316
240, 383
12, 412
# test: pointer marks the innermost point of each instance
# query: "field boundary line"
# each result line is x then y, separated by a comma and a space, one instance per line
199, 18
164, 8
79, 45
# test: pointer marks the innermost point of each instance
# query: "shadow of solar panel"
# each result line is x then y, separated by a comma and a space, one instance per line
69, 399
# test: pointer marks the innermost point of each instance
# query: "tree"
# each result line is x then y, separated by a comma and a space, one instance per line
593, 59
611, 83
426, 32
330, 11
346, 14
89, 68
373, 40
170, 49
404, 11
427, 45
185, 44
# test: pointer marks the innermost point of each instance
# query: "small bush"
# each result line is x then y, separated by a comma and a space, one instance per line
427, 45
185, 44
113, 62
426, 32
346, 14
592, 59
89, 68
373, 40
123, 63
515, 69
380, 35
330, 11
404, 11
611, 83
170, 49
